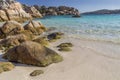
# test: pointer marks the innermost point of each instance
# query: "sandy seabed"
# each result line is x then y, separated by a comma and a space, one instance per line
88, 60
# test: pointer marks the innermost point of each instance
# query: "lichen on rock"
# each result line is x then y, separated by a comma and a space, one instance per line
65, 47
36, 72
6, 66
42, 40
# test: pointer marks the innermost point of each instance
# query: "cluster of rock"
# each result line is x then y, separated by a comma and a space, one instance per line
22, 44
61, 10
13, 10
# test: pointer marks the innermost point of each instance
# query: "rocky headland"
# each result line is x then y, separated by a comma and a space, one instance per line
61, 10
104, 11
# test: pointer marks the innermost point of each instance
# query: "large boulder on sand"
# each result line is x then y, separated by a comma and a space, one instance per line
11, 28
35, 27
32, 53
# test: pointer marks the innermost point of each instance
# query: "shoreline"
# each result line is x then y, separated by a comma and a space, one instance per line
88, 60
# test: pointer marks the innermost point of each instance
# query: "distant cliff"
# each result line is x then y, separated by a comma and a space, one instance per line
61, 10
104, 11
13, 10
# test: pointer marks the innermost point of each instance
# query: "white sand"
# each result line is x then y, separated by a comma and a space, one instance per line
89, 60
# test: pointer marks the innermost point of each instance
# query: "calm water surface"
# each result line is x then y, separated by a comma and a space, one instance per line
96, 27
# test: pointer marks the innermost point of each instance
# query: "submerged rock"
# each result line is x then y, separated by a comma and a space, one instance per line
32, 53
36, 72
6, 66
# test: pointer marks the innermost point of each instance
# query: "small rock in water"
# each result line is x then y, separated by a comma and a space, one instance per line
36, 73
55, 36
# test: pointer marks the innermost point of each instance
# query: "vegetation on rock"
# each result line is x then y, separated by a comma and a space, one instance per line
65, 46
6, 66
65, 49
61, 10
36, 72
42, 40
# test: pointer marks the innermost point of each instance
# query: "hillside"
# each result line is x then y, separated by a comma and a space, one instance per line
104, 11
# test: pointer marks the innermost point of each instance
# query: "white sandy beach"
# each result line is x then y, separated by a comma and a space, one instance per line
88, 60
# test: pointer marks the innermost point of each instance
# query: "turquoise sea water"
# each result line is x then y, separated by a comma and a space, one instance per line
96, 27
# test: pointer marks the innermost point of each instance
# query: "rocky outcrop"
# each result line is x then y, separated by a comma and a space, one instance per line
13, 10
33, 11
30, 30
13, 33
3, 16
6, 66
61, 10
32, 53
35, 27
10, 28
13, 40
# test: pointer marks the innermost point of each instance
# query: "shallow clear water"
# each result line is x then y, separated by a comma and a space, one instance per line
97, 27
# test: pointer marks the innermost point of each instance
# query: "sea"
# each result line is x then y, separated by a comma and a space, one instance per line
95, 27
